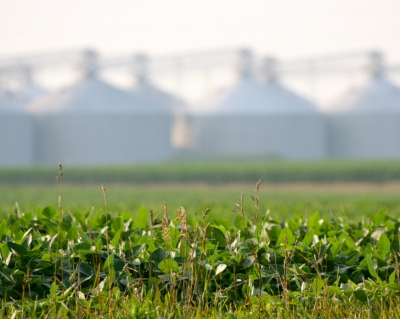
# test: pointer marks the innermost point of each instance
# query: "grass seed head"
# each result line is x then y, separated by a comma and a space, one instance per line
165, 225
182, 217
228, 239
204, 215
203, 243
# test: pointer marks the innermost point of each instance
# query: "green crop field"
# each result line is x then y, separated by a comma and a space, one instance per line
193, 248
214, 172
283, 201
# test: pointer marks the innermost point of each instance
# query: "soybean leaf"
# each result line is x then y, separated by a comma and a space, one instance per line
116, 237
184, 249
81, 247
53, 290
313, 221
4, 228
109, 263
168, 265
372, 270
81, 232
383, 246
158, 255
286, 237
348, 241
307, 240
360, 295
49, 212
17, 250
216, 236
318, 283
247, 262
377, 219
4, 251
142, 217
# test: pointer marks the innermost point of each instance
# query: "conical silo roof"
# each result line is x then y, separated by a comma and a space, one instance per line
378, 96
93, 95
250, 96
154, 95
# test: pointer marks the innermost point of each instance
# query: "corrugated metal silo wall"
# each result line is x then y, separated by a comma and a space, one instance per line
102, 139
363, 136
293, 137
16, 140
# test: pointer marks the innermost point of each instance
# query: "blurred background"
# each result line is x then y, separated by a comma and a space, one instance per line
116, 82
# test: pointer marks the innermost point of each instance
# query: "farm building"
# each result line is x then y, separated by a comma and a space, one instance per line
154, 95
93, 122
366, 124
169, 103
253, 118
15, 135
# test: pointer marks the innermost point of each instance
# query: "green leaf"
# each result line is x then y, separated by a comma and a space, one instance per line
360, 295
118, 223
158, 255
109, 263
383, 245
307, 240
377, 219
142, 218
348, 241
81, 247
247, 262
16, 249
5, 251
168, 265
318, 284
392, 277
81, 232
274, 232
371, 269
286, 237
53, 290
184, 249
136, 250
336, 248
238, 222
4, 228
38, 212
116, 237
49, 212
313, 221
216, 236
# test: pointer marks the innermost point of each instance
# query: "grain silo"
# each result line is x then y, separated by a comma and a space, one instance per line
365, 123
15, 135
168, 103
257, 119
149, 92
94, 122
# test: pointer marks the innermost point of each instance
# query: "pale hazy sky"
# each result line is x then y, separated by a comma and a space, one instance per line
283, 28
287, 29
